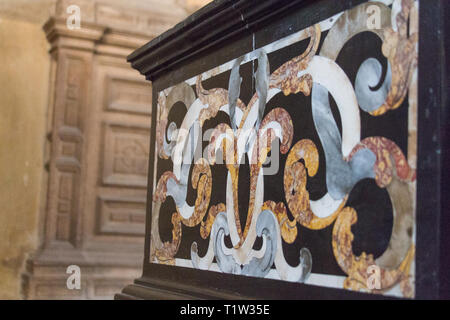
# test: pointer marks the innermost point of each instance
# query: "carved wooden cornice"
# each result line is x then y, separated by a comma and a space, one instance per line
92, 37
105, 27
58, 33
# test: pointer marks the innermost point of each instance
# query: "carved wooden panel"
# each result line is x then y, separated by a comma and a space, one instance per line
128, 96
125, 155
122, 215
119, 140
98, 145
67, 143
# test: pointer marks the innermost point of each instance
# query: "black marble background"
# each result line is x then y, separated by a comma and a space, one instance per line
373, 229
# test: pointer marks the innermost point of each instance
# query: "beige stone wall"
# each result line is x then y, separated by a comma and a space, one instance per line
193, 5
24, 74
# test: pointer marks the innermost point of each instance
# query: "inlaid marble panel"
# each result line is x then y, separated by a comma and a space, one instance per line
296, 161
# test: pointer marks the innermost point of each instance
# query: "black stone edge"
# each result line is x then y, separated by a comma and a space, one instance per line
246, 288
444, 274
156, 289
212, 25
431, 133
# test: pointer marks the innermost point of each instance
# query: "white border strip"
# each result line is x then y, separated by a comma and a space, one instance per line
314, 279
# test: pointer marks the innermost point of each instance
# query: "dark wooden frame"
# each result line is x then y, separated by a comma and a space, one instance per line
193, 46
